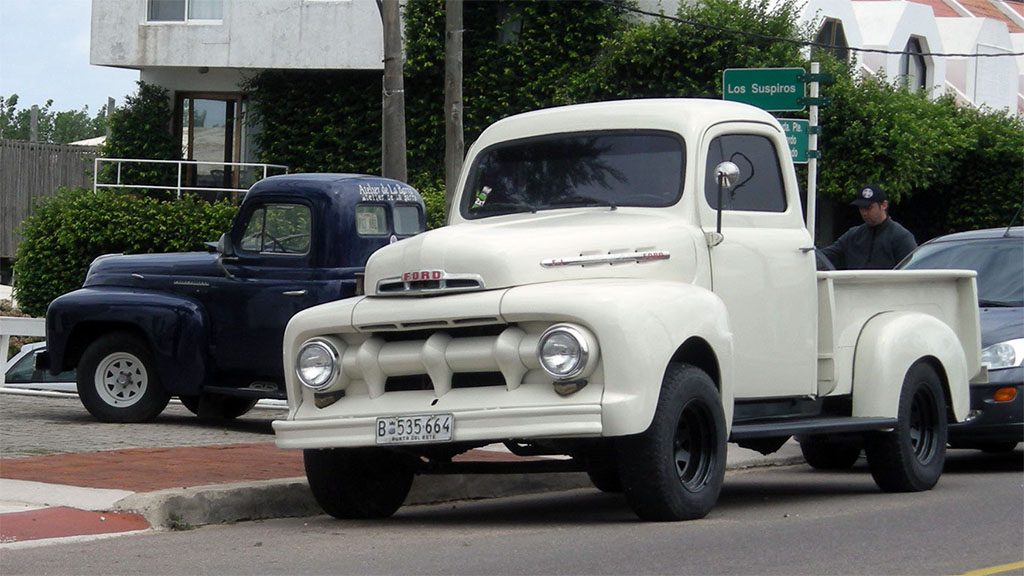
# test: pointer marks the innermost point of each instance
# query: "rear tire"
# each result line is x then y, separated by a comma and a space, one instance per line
218, 406
118, 381
826, 452
674, 470
910, 458
998, 447
359, 482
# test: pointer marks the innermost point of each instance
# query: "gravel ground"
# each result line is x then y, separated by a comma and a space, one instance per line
39, 425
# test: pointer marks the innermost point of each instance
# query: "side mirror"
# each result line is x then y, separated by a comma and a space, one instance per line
225, 246
726, 175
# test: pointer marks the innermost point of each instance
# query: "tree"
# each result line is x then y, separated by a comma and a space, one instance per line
52, 127
142, 129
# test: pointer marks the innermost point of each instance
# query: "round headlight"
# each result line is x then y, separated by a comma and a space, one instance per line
563, 351
315, 364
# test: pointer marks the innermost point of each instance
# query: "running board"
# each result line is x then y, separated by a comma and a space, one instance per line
787, 427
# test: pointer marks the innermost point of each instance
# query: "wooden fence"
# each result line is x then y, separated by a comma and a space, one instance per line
32, 170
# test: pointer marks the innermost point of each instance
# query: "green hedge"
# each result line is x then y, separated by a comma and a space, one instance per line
66, 232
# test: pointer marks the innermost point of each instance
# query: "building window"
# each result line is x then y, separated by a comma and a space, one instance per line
185, 10
913, 69
832, 40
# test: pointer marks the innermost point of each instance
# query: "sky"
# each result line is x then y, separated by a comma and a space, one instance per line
44, 54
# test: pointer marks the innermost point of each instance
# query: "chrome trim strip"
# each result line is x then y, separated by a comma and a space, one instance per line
638, 257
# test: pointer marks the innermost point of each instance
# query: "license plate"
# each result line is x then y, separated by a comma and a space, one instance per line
415, 428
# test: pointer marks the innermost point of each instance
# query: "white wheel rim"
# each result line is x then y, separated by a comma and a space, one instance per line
121, 379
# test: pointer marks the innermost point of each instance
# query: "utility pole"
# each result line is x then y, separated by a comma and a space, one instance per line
454, 140
393, 162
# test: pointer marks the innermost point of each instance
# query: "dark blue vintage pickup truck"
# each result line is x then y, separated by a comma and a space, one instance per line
207, 326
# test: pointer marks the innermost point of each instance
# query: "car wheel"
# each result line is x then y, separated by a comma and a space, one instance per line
825, 452
605, 477
674, 470
118, 380
359, 482
910, 458
191, 403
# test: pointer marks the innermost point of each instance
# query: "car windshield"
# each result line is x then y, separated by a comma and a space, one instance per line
998, 261
580, 169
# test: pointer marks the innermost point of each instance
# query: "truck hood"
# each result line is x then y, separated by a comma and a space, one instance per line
520, 249
126, 270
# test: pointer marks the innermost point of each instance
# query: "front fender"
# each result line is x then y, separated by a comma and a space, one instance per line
639, 326
888, 345
175, 327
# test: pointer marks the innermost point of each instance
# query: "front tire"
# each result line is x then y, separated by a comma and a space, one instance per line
358, 483
674, 470
118, 381
910, 458
825, 452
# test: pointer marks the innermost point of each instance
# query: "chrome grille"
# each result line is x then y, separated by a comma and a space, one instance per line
447, 284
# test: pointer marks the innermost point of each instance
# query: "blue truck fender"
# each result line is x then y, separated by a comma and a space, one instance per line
175, 328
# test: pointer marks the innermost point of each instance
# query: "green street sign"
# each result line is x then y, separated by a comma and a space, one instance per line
773, 89
797, 132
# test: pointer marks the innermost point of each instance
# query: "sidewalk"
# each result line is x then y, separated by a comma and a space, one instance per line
109, 492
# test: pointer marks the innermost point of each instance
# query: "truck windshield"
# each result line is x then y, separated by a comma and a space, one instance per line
571, 170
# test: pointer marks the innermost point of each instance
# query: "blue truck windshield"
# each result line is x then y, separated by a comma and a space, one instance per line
579, 169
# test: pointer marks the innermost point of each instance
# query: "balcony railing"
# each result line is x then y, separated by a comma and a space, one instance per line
223, 180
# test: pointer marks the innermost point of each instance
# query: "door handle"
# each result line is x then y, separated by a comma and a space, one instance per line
294, 293
807, 249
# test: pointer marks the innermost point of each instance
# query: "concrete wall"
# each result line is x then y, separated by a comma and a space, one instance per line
254, 34
990, 82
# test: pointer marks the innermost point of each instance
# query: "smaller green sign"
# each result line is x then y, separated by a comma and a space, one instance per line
797, 132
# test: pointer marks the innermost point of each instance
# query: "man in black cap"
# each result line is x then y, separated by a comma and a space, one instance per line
877, 244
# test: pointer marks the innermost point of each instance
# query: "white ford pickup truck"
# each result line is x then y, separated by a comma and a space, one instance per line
630, 284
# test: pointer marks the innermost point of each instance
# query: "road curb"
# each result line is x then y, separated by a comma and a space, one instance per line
184, 508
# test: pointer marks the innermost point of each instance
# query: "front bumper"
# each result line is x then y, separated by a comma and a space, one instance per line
471, 425
997, 421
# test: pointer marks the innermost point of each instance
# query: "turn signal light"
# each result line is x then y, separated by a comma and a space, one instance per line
1005, 394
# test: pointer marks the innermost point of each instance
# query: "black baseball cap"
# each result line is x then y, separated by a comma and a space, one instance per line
868, 194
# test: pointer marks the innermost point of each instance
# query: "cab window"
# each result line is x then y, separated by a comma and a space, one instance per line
278, 229
407, 220
371, 220
760, 186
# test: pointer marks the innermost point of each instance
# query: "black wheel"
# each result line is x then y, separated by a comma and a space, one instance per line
825, 452
190, 402
118, 380
674, 469
358, 483
218, 406
605, 478
910, 458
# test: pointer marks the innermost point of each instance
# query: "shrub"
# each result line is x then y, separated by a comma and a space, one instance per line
66, 232
142, 129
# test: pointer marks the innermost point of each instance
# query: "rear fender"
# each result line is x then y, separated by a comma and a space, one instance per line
888, 345
175, 328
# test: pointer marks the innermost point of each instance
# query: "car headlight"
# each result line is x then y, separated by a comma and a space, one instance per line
1008, 354
316, 364
567, 352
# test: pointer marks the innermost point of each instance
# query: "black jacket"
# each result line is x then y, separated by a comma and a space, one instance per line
866, 247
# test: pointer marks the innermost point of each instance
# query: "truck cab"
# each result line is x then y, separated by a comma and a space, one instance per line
207, 326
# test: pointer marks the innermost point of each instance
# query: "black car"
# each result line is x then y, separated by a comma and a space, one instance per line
996, 421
